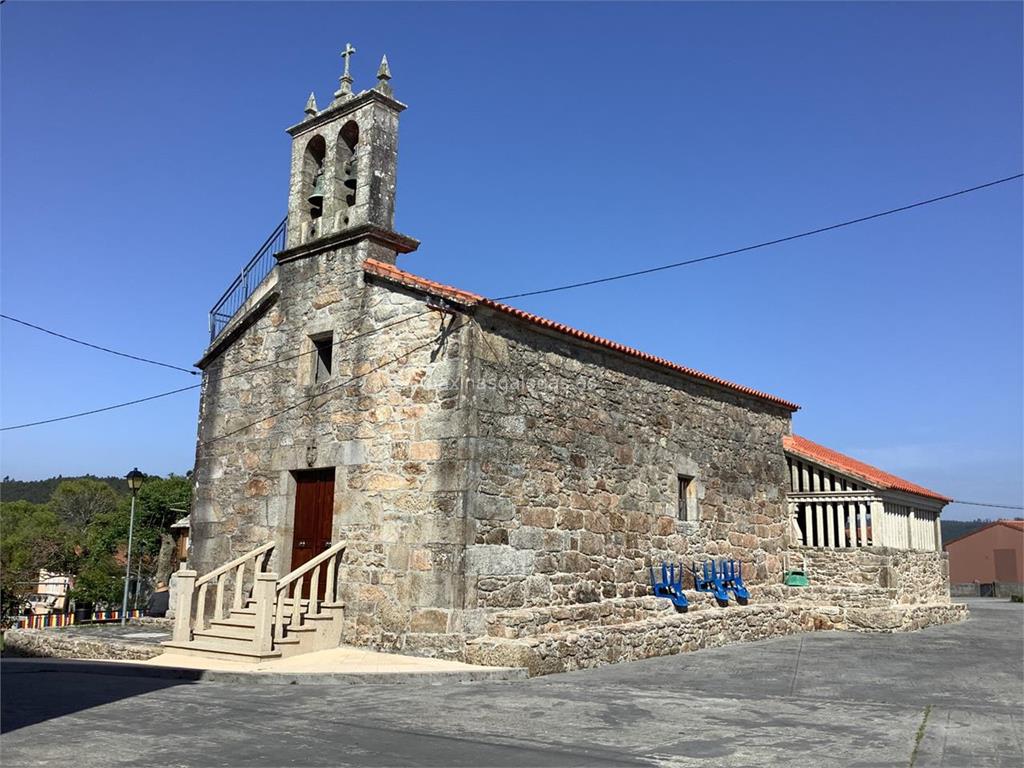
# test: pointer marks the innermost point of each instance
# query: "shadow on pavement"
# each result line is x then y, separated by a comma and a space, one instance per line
36, 690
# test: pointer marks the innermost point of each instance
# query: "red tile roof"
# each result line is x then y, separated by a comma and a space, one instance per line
840, 462
465, 298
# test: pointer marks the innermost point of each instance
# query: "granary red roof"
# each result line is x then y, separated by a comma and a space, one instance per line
840, 462
396, 275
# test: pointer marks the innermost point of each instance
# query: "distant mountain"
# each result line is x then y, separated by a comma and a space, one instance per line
954, 529
40, 491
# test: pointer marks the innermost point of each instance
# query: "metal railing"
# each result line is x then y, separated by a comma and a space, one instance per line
252, 275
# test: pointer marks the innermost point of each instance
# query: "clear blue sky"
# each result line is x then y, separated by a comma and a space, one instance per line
144, 159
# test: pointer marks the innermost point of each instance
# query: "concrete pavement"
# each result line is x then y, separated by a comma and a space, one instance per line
826, 699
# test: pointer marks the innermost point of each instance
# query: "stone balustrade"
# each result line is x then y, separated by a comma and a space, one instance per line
191, 608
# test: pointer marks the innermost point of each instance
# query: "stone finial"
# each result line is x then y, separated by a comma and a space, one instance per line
311, 108
345, 90
383, 75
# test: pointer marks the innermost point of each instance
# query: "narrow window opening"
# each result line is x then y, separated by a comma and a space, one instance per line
686, 507
324, 346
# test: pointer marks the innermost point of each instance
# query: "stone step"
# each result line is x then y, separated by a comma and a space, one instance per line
212, 650
230, 633
294, 635
248, 615
250, 608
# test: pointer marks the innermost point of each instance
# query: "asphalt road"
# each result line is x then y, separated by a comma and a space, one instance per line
826, 699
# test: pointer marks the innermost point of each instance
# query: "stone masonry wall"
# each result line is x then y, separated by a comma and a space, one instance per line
669, 633
399, 490
914, 576
574, 473
60, 644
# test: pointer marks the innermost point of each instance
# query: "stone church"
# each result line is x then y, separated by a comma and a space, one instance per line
390, 462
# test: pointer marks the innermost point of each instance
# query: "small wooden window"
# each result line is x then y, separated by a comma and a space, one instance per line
324, 346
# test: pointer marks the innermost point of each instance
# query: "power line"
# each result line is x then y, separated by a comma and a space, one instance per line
765, 244
338, 343
345, 383
210, 380
982, 504
97, 346
566, 287
100, 410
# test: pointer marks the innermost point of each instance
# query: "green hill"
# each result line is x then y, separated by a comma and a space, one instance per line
40, 491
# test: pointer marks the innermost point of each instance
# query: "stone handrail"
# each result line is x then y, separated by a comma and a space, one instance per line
235, 563
293, 584
185, 619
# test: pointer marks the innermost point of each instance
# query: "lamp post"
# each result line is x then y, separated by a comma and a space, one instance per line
134, 479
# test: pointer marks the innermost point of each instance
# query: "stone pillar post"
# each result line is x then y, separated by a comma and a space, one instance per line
938, 533
878, 538
264, 592
185, 584
796, 537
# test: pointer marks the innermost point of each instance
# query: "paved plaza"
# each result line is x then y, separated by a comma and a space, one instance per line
952, 693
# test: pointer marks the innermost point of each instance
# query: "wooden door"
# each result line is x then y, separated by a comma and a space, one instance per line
314, 513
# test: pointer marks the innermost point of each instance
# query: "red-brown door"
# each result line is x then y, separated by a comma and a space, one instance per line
314, 512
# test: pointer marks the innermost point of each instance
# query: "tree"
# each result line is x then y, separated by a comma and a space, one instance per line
33, 540
83, 531
160, 502
78, 502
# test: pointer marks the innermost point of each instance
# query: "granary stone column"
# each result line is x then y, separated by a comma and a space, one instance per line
878, 532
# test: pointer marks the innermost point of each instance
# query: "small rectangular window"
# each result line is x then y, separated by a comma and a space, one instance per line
684, 497
324, 345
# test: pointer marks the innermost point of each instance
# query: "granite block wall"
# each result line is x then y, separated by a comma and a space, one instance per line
574, 476
387, 419
914, 576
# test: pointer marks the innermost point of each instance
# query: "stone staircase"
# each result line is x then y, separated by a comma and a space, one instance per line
268, 617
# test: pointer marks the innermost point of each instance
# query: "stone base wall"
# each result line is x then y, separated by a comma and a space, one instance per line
52, 643
999, 589
914, 576
672, 633
541, 621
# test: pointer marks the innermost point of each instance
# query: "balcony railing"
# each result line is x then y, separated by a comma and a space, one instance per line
252, 275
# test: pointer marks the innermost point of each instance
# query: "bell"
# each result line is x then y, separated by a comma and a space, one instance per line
316, 197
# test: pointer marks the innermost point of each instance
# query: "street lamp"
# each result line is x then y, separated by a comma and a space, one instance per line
134, 479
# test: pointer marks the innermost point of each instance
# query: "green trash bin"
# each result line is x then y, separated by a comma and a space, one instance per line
796, 579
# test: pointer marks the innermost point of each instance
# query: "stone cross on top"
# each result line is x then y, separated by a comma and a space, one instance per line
346, 78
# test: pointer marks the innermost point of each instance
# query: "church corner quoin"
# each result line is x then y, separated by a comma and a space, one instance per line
501, 483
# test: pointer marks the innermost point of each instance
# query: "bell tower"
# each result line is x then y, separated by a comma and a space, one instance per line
343, 170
